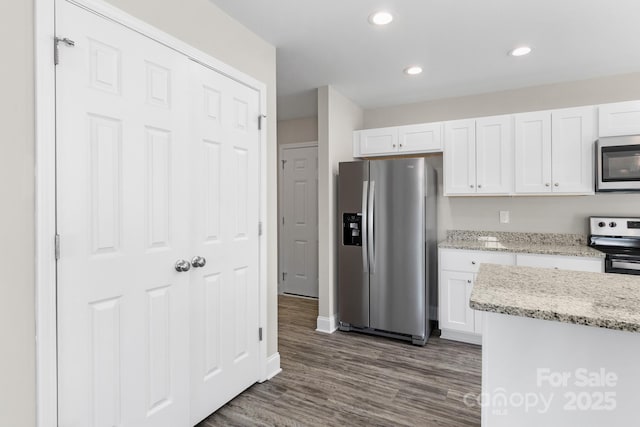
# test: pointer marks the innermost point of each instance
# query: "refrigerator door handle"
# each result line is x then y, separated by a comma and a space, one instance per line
370, 219
365, 261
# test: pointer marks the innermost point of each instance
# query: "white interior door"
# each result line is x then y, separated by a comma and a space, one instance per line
122, 213
224, 293
300, 221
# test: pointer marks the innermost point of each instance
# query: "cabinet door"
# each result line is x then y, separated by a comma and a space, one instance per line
460, 157
378, 141
559, 262
455, 291
573, 136
422, 138
621, 118
494, 142
533, 152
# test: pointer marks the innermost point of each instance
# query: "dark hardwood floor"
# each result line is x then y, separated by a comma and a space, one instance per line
350, 379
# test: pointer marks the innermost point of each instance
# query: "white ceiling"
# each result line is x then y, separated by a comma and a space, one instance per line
461, 44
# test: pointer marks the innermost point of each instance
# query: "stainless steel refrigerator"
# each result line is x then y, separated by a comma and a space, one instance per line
387, 248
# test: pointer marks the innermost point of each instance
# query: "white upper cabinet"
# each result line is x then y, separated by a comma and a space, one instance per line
554, 151
460, 157
378, 141
478, 156
494, 163
573, 133
622, 118
422, 138
533, 152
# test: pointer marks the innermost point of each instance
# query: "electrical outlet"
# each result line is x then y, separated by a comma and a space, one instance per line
504, 217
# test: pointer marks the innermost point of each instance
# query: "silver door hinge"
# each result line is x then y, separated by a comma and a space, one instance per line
260, 334
284, 276
283, 163
282, 220
56, 245
260, 228
56, 50
260, 118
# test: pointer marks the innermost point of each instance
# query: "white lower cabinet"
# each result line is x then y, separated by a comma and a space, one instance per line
457, 274
455, 289
458, 270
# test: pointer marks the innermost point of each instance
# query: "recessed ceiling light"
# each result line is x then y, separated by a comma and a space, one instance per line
412, 71
520, 51
380, 18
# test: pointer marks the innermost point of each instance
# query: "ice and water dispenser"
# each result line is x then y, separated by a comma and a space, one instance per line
352, 229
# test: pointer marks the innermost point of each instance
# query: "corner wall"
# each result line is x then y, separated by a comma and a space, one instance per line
297, 130
338, 117
546, 214
17, 218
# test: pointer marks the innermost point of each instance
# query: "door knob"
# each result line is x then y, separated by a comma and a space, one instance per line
182, 265
198, 261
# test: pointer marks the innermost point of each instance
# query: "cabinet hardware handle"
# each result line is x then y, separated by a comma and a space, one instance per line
547, 185
468, 281
182, 265
393, 145
471, 185
479, 185
400, 145
557, 184
473, 262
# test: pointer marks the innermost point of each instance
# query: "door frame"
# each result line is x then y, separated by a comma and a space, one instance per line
45, 188
281, 150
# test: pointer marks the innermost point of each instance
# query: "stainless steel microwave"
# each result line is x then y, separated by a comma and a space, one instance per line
618, 163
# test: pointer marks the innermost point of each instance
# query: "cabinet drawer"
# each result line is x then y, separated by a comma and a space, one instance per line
469, 261
560, 262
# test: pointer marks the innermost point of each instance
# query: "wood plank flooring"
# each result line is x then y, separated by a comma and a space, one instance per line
351, 379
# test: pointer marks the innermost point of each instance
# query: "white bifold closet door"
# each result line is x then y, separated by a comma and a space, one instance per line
157, 161
224, 293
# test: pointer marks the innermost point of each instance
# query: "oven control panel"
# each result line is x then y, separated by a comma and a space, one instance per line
614, 226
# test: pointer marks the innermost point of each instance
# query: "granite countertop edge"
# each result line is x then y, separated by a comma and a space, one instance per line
539, 249
555, 316
610, 301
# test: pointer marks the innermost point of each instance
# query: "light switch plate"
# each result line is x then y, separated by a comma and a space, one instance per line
504, 217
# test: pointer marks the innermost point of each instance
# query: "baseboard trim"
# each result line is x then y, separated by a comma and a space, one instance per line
461, 336
327, 325
273, 366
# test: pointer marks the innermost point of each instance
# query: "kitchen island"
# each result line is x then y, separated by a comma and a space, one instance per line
560, 348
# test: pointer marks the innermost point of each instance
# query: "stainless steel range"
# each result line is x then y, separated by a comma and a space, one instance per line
619, 238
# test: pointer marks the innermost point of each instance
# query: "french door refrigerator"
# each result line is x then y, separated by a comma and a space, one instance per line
387, 248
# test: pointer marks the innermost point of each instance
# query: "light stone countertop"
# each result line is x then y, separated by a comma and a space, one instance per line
533, 243
603, 300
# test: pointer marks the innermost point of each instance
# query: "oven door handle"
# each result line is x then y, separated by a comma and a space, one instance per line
626, 265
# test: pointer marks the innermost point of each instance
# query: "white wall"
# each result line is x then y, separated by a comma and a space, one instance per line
297, 130
535, 214
197, 22
570, 94
17, 248
338, 117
